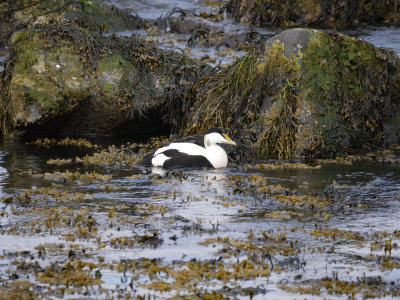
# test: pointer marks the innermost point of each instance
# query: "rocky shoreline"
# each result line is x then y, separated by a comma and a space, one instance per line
304, 92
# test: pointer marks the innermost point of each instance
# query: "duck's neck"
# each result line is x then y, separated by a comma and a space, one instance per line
217, 156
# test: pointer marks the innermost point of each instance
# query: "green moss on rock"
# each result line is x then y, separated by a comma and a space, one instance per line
310, 93
39, 85
352, 92
313, 13
56, 68
93, 15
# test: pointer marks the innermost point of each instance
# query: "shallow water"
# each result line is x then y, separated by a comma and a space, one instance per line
379, 36
171, 216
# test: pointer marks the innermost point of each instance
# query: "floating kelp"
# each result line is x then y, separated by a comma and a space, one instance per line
371, 287
125, 155
306, 201
283, 165
391, 155
336, 234
46, 142
59, 162
184, 234
85, 178
112, 156
42, 195
249, 259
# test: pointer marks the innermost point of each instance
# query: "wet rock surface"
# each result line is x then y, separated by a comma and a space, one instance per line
310, 92
323, 14
93, 15
71, 79
289, 99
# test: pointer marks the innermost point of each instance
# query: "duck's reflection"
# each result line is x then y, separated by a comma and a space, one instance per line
199, 195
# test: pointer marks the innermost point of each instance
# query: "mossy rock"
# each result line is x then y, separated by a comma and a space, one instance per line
309, 93
92, 15
63, 78
314, 13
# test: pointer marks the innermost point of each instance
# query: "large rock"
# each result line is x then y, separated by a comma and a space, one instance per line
314, 13
310, 92
64, 79
93, 15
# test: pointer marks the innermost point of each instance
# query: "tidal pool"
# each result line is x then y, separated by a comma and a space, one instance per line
80, 220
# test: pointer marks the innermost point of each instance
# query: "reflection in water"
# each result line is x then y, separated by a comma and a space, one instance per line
169, 214
198, 194
4, 220
3, 175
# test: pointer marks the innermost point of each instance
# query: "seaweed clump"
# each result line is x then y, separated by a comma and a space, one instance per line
234, 98
83, 216
129, 78
353, 91
92, 15
325, 14
322, 94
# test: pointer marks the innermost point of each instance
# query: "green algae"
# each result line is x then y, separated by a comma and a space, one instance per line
233, 98
27, 58
60, 66
347, 90
331, 96
92, 15
32, 92
322, 14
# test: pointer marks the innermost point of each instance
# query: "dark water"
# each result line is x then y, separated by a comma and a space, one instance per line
191, 206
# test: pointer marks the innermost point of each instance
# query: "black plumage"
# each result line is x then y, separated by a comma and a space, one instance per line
186, 160
177, 160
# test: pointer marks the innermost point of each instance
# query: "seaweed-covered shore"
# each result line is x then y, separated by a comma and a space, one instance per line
307, 207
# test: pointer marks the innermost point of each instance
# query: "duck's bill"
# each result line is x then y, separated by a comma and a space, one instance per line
228, 140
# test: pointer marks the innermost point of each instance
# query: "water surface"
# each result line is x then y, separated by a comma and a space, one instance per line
179, 218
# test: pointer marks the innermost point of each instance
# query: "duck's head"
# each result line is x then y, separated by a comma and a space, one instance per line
216, 135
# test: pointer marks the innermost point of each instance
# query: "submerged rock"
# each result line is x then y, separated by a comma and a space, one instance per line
66, 80
205, 33
325, 13
310, 92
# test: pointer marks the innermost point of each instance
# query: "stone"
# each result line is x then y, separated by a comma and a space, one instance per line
62, 79
308, 93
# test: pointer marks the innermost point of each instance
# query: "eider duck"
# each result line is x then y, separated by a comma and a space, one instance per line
192, 155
